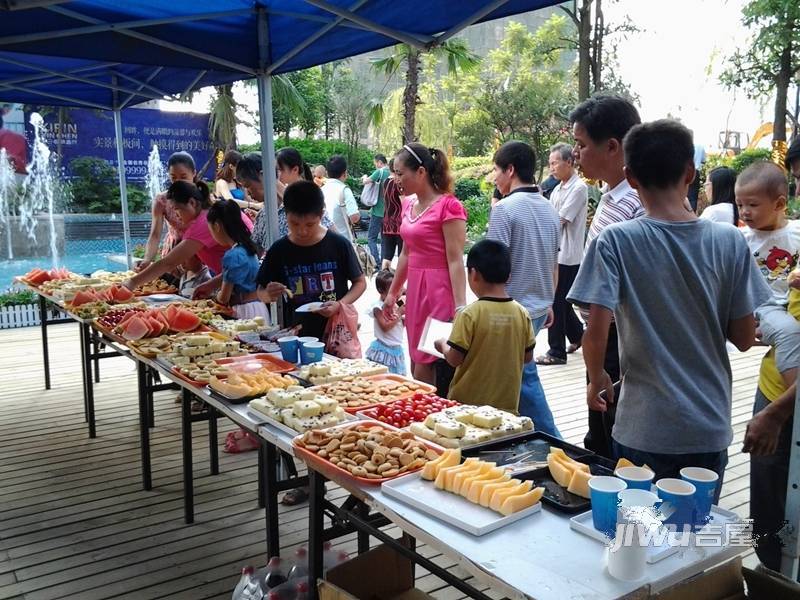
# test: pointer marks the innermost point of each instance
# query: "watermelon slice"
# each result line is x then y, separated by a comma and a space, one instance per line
38, 277
121, 293
135, 329
82, 298
185, 321
170, 312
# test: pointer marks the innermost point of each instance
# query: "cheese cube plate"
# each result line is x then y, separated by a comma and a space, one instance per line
582, 523
450, 508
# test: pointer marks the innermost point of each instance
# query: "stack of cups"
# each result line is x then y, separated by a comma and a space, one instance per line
311, 350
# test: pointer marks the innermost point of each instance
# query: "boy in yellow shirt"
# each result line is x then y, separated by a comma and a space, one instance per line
768, 439
492, 338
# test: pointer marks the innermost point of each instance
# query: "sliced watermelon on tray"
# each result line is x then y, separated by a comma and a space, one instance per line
185, 321
135, 329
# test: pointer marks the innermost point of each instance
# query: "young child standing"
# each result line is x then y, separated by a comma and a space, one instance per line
387, 347
774, 241
239, 263
679, 287
193, 274
492, 338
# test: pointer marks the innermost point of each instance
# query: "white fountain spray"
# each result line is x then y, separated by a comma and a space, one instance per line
8, 189
39, 188
156, 177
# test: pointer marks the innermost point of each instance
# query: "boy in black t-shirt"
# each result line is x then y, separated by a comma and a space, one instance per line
310, 264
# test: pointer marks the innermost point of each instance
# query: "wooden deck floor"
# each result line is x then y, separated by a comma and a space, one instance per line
75, 523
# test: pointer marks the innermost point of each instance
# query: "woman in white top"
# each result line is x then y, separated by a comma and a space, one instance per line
719, 189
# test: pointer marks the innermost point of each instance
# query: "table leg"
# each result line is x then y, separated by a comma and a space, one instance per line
188, 476
262, 451
144, 430
96, 344
45, 351
151, 413
87, 378
83, 374
213, 447
316, 523
271, 496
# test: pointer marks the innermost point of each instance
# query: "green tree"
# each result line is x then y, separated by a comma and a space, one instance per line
772, 60
456, 55
527, 88
352, 109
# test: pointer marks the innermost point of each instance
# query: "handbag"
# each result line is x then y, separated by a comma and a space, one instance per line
365, 259
372, 191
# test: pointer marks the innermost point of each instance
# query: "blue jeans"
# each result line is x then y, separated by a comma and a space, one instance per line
532, 402
373, 233
670, 465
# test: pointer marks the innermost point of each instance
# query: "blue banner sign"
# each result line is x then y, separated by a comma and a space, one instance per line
91, 133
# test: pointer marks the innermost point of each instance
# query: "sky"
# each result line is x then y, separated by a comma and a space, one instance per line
673, 64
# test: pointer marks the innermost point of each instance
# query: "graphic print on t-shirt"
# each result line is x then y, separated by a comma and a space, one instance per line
312, 282
777, 264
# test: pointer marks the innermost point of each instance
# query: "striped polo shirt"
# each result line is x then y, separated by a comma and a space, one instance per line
616, 206
527, 223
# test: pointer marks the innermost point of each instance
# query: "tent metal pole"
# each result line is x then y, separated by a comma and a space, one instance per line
123, 187
264, 84
791, 532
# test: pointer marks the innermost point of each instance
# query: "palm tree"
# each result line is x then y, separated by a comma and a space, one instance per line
459, 59
222, 120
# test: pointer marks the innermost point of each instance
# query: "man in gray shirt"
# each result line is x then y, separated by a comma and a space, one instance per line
527, 223
679, 287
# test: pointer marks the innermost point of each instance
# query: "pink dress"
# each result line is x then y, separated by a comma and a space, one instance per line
429, 292
175, 228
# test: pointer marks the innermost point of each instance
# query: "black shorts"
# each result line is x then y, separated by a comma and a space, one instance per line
391, 242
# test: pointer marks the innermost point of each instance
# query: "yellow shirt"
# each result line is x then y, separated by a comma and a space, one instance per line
770, 381
493, 334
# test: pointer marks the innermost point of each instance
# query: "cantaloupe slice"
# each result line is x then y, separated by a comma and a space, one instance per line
489, 489
514, 504
579, 484
476, 489
500, 495
571, 463
559, 471
483, 475
448, 458
461, 476
623, 462
453, 480
445, 474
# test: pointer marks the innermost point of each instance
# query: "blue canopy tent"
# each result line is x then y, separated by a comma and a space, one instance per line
107, 54
110, 54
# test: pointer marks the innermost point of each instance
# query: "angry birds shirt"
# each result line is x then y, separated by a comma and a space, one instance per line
776, 254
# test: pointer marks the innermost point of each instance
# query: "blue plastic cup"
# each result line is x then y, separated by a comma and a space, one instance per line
705, 480
678, 506
300, 342
637, 478
289, 347
604, 494
312, 352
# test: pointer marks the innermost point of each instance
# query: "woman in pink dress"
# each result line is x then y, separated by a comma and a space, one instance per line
431, 265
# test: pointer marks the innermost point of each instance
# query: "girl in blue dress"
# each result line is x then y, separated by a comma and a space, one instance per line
240, 263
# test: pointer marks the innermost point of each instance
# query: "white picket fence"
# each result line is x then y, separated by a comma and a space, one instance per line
25, 315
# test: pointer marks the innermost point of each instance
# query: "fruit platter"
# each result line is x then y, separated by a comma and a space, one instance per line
476, 495
367, 451
206, 310
138, 323
465, 426
355, 393
299, 409
157, 286
116, 294
37, 277
245, 386
329, 371
401, 413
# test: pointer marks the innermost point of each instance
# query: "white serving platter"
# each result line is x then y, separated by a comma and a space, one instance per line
450, 508
582, 523
265, 420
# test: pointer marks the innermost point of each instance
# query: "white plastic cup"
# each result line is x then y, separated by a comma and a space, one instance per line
627, 556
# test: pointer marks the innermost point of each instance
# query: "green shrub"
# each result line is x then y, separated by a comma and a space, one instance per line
317, 152
464, 162
95, 188
466, 188
17, 298
741, 161
478, 207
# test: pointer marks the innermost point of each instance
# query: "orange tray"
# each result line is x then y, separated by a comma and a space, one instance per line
256, 362
327, 468
176, 371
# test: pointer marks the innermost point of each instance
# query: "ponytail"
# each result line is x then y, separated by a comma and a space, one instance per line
228, 213
291, 158
433, 160
181, 192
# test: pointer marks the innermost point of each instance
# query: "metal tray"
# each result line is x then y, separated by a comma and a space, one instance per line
534, 446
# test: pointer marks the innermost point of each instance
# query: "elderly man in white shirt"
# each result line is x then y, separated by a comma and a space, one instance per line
570, 198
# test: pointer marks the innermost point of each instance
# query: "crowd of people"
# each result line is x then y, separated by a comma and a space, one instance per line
663, 292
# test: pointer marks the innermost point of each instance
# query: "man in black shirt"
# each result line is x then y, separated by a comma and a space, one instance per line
310, 264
